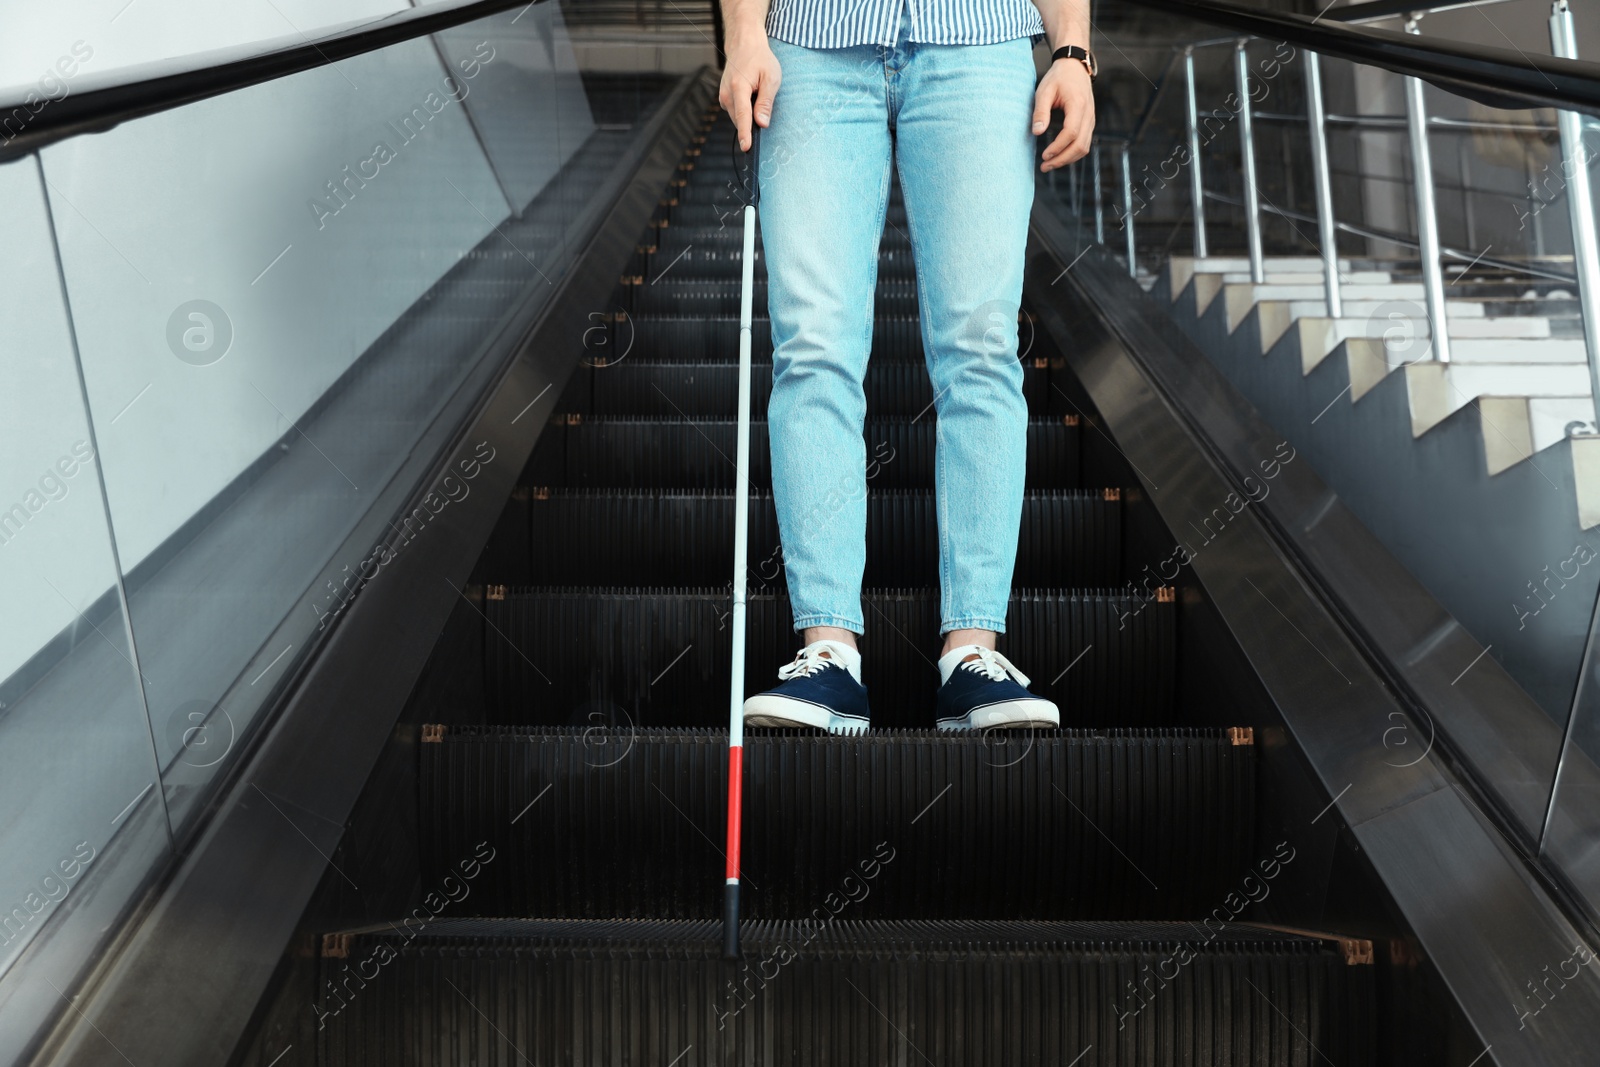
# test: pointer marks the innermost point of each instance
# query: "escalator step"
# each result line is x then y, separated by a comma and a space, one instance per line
713, 215
641, 385
839, 992
1069, 538
715, 337
689, 256
698, 453
723, 229
721, 297
627, 822
661, 657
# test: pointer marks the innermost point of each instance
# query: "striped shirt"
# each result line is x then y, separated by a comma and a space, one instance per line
843, 23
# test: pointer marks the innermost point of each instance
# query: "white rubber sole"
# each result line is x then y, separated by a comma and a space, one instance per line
1010, 715
764, 709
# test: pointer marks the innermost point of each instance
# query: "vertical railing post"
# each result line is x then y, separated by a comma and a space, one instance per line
1127, 210
1580, 202
1427, 213
1197, 186
1247, 149
1328, 230
1099, 197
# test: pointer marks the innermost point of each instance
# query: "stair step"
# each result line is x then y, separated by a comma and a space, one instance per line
643, 537
1517, 351
1482, 331
558, 656
698, 453
840, 992
1273, 264
1437, 390
1549, 418
1409, 291
691, 389
1303, 278
1382, 309
626, 822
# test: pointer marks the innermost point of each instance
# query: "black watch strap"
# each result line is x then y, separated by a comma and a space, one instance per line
1082, 55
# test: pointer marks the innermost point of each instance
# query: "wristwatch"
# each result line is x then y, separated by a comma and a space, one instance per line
1082, 55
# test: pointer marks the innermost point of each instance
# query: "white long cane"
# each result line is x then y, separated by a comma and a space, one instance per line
746, 170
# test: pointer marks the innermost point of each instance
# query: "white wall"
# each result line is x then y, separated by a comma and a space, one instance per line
119, 34
197, 203
213, 202
55, 554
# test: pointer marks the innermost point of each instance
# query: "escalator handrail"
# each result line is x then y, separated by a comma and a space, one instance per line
160, 87
1501, 77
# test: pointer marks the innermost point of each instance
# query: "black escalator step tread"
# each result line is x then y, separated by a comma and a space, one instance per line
642, 537
555, 656
713, 169
729, 234
854, 937
852, 992
708, 251
721, 297
1070, 824
697, 453
714, 214
713, 338
709, 267
699, 387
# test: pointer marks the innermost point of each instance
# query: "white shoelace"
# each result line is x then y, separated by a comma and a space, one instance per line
807, 661
993, 666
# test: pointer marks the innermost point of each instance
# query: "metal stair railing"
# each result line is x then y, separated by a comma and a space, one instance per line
1500, 80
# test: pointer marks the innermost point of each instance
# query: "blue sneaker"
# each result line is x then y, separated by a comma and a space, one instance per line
816, 690
986, 692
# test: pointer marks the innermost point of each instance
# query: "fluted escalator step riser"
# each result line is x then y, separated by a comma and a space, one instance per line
641, 386
714, 338
699, 454
723, 234
661, 657
504, 994
722, 297
714, 214
627, 822
1068, 538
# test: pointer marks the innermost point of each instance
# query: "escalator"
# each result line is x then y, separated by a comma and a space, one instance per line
1052, 897
474, 812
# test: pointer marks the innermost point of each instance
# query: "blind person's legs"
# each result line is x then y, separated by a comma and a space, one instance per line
966, 164
824, 189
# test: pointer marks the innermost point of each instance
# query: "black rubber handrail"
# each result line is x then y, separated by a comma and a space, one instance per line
1499, 77
96, 109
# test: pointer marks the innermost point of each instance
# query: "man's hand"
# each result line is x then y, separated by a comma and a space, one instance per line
751, 69
1065, 86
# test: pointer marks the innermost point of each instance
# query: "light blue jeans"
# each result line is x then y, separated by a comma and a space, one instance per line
955, 119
